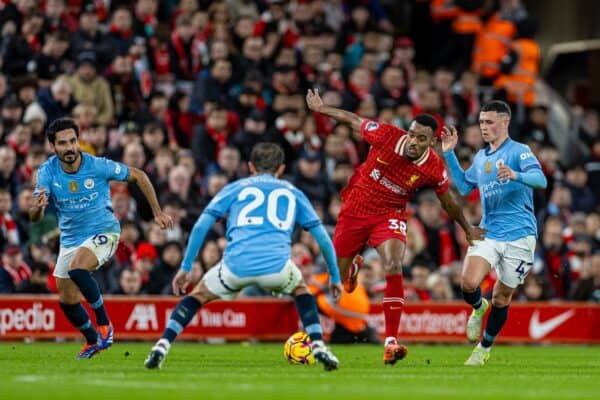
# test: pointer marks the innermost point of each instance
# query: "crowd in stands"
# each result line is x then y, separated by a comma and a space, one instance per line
184, 89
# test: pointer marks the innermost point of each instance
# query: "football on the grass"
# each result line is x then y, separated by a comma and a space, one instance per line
297, 349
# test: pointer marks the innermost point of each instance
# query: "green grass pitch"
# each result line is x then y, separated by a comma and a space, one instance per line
258, 371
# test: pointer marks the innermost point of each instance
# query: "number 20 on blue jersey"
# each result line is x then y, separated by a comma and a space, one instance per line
247, 215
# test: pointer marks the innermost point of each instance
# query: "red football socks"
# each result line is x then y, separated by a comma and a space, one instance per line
393, 301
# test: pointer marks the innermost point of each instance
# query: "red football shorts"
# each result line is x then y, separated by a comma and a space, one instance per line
353, 232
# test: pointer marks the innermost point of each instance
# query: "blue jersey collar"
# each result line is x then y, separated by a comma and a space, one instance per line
487, 148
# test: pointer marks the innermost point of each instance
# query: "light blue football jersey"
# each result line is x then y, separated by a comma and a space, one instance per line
262, 212
82, 198
507, 206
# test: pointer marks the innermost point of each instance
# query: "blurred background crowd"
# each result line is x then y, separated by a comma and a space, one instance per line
184, 89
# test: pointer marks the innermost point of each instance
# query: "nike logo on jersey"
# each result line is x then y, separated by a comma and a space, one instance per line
538, 330
379, 160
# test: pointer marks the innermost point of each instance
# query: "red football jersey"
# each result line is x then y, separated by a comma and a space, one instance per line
387, 180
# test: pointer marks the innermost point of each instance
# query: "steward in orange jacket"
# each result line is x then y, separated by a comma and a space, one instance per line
349, 314
491, 45
521, 66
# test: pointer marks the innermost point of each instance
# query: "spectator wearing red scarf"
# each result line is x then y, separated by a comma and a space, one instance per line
185, 60
120, 34
57, 18
552, 258
13, 271
144, 21
359, 87
211, 138
9, 233
439, 234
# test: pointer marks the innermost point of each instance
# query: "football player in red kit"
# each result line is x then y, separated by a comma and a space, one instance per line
374, 204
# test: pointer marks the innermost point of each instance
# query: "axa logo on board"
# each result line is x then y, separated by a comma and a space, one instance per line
35, 318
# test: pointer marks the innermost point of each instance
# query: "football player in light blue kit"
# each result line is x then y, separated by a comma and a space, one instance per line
261, 213
77, 184
505, 172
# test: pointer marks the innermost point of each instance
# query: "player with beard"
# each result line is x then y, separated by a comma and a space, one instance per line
77, 184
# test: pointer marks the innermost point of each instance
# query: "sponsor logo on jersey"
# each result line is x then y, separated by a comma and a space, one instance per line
375, 174
525, 156
73, 186
89, 183
412, 180
379, 160
117, 169
385, 182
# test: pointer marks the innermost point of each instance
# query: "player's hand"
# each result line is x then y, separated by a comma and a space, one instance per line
449, 138
313, 100
40, 201
181, 281
475, 233
336, 291
163, 220
505, 173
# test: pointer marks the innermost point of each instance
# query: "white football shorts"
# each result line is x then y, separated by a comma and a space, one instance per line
222, 282
103, 245
511, 260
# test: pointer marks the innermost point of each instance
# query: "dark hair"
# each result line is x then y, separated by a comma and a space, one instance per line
267, 157
61, 124
41, 267
497, 105
427, 120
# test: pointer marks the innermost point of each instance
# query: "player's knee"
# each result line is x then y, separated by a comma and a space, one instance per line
68, 296
84, 259
300, 290
468, 284
392, 266
202, 294
501, 299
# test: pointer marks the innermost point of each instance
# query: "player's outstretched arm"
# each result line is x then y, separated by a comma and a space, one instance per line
140, 178
197, 236
315, 103
326, 246
455, 212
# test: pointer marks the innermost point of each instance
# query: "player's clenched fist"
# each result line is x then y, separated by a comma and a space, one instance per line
313, 100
